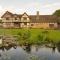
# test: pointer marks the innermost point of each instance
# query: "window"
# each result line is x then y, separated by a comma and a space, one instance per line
25, 23
7, 18
0, 21
8, 24
32, 24
58, 23
51, 25
25, 18
15, 18
16, 24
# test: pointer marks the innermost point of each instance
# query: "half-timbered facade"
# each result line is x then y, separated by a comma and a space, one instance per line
10, 20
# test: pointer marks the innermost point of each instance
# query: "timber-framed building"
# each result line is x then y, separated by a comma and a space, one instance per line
10, 20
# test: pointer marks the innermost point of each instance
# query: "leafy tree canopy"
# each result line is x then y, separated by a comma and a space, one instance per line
57, 12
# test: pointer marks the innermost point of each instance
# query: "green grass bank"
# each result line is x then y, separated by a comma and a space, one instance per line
34, 34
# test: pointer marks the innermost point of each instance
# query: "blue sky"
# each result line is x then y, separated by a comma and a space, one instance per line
45, 7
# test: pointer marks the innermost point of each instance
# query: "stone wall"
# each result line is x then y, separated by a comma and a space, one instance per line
42, 25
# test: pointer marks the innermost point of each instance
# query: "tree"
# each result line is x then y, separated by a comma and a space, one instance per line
57, 12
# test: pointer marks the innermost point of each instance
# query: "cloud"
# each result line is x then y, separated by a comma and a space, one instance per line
51, 5
1, 10
49, 8
43, 8
31, 8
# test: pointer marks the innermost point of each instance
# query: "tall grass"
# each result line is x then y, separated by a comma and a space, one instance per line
33, 35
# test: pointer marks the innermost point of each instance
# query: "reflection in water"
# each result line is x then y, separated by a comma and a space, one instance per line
3, 48
58, 47
53, 49
39, 51
37, 47
0, 55
4, 54
27, 48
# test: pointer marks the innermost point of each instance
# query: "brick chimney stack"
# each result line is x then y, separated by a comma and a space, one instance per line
37, 15
37, 12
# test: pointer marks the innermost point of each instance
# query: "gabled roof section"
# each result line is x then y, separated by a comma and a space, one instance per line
12, 15
7, 12
24, 13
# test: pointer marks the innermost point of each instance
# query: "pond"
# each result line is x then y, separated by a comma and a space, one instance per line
26, 53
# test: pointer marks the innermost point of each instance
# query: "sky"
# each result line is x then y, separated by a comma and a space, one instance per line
45, 7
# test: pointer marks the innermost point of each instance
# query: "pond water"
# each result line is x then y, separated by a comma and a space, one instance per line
26, 53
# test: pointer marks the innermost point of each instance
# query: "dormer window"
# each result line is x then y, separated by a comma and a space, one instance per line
7, 18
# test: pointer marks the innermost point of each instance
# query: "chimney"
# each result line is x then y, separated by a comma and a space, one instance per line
37, 12
37, 15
